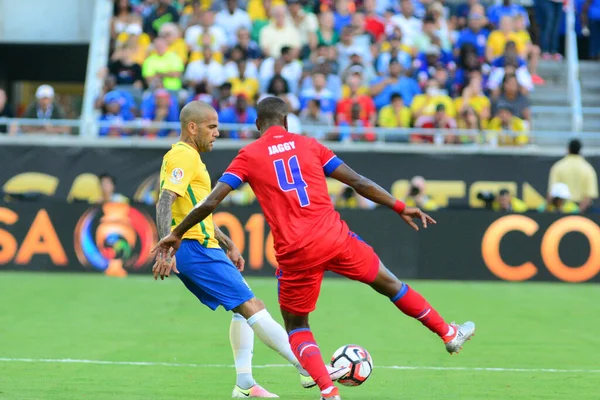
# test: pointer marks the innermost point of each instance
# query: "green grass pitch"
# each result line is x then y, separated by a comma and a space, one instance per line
526, 328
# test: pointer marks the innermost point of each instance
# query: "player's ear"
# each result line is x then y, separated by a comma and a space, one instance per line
285, 124
257, 124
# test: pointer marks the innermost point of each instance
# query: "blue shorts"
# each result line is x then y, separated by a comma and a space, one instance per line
211, 276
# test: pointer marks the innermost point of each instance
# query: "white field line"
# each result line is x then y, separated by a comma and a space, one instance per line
400, 367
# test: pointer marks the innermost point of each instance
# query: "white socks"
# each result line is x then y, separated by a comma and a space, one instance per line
274, 336
241, 337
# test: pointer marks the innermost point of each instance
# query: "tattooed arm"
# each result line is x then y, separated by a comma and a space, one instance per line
163, 212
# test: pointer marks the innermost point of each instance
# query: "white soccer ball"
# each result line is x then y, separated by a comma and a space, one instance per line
357, 359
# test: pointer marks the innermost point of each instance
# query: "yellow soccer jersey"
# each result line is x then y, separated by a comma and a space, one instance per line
184, 173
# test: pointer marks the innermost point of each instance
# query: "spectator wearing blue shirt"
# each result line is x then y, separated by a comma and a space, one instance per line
495, 13
320, 92
462, 11
383, 87
239, 113
342, 15
115, 111
426, 63
162, 109
474, 34
591, 20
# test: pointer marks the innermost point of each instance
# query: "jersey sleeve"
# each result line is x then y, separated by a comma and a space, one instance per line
180, 169
329, 160
237, 172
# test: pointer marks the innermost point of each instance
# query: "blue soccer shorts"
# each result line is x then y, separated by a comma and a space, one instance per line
211, 276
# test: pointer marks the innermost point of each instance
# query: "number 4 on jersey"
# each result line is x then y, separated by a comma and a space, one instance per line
297, 182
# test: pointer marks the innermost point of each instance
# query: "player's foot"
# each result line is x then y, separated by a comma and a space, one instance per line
254, 391
333, 395
334, 373
462, 333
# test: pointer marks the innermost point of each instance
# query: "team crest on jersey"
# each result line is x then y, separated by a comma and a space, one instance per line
177, 175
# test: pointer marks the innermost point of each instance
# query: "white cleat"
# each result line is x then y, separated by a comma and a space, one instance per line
255, 391
336, 397
463, 333
334, 373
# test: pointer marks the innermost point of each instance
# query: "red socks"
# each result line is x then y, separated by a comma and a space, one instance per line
414, 305
307, 352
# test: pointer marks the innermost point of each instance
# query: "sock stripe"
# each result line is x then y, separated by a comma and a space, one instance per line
401, 293
306, 347
258, 316
424, 313
298, 330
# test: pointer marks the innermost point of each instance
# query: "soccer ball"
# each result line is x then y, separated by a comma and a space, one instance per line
358, 359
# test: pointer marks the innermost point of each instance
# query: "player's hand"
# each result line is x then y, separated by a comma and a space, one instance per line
236, 258
164, 265
411, 213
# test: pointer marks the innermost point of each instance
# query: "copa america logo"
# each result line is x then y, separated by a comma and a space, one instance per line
114, 237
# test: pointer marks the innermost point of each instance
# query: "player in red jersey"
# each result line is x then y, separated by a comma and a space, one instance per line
287, 174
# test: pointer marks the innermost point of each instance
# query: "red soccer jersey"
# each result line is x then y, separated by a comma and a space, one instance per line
287, 174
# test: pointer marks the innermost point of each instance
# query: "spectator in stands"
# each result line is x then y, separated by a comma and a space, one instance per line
107, 187
202, 93
175, 43
125, 69
231, 19
326, 34
549, 42
436, 9
590, 20
249, 46
122, 16
6, 112
164, 66
475, 34
383, 87
343, 14
510, 64
428, 36
240, 113
428, 62
137, 40
278, 87
506, 202
306, 23
395, 115
45, 108
469, 119
578, 174
291, 69
417, 195
411, 26
362, 37
473, 96
463, 11
280, 32
320, 92
499, 38
374, 23
224, 98
506, 9
357, 65
512, 97
161, 13
560, 200
345, 47
439, 120
512, 129
193, 16
367, 112
215, 34
352, 128
532, 51
231, 67
162, 109
205, 70
115, 112
396, 51
426, 104
242, 84
312, 117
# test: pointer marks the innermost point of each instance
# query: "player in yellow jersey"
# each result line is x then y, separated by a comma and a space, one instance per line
213, 276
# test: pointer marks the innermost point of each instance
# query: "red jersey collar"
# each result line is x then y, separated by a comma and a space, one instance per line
275, 130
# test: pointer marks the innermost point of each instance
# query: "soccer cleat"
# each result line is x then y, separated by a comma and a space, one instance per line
334, 373
333, 395
254, 391
462, 334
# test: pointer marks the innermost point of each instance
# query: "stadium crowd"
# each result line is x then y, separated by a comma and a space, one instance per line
343, 64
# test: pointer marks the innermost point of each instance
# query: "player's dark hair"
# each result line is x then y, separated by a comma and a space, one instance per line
271, 111
108, 176
574, 146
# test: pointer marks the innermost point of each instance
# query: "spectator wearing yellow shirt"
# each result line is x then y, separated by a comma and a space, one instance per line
469, 119
138, 41
163, 65
394, 115
425, 104
279, 33
508, 203
579, 175
559, 200
473, 96
171, 33
511, 129
498, 39
244, 85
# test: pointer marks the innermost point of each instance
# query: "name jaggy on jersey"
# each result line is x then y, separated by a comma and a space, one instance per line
281, 148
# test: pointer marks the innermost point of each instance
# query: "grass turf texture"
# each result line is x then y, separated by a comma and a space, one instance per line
59, 316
